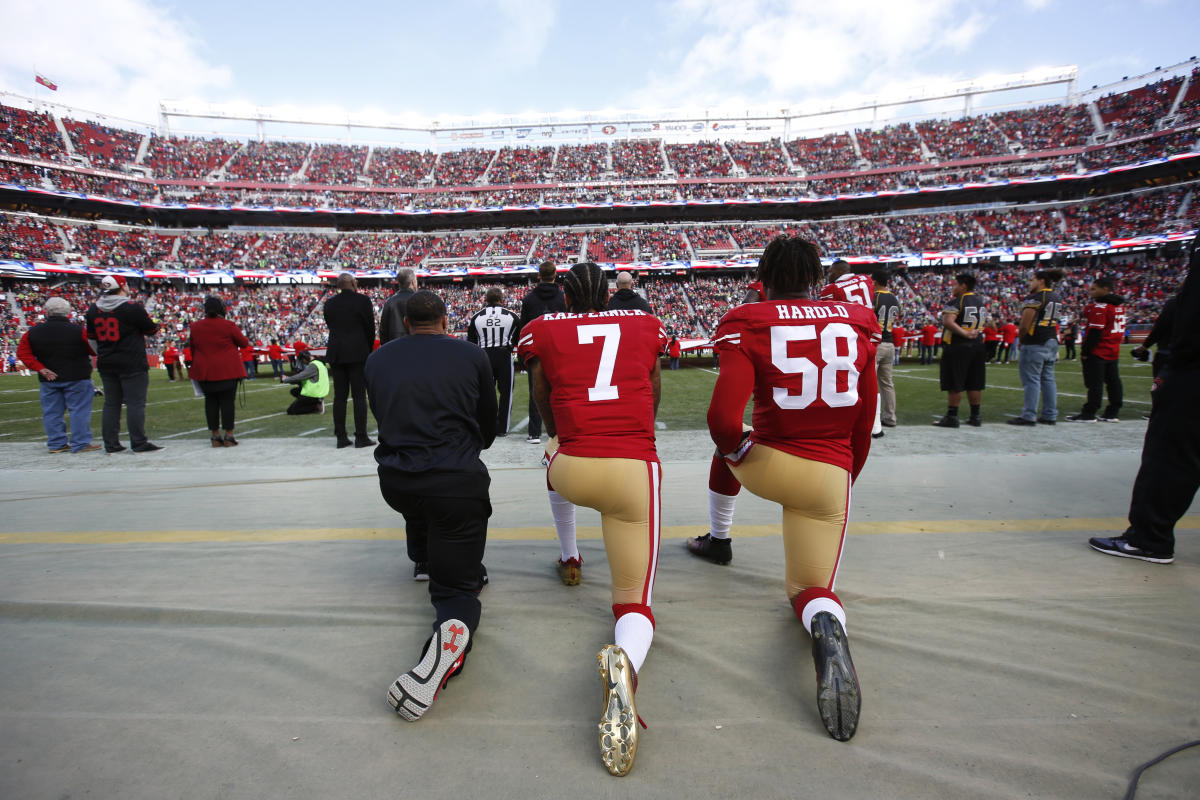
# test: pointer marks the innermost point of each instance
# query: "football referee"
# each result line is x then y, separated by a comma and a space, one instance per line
494, 328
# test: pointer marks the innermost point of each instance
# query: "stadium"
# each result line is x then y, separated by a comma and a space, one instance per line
239, 579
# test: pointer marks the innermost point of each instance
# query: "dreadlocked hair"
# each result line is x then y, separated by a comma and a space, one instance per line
790, 265
586, 287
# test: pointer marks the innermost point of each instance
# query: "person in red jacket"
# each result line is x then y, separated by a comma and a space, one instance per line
674, 351
898, 341
249, 362
810, 367
927, 349
1101, 351
298, 347
171, 360
275, 356
216, 345
1008, 335
991, 342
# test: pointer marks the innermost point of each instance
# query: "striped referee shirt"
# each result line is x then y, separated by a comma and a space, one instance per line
494, 326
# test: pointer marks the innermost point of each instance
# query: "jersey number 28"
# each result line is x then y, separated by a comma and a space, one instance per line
816, 379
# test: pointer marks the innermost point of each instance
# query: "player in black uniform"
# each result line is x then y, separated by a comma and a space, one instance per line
117, 328
963, 359
494, 328
1039, 348
887, 309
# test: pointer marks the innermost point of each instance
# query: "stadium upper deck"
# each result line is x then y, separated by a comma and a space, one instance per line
53, 149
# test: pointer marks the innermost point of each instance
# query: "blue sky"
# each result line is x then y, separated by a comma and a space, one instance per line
470, 57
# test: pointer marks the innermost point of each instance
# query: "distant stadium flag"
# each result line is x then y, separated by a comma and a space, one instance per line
44, 81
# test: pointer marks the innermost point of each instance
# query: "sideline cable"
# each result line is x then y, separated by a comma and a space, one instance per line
1137, 774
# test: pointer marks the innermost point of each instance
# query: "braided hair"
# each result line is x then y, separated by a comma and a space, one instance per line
586, 288
790, 265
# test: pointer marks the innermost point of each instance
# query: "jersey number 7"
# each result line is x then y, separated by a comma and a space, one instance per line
610, 335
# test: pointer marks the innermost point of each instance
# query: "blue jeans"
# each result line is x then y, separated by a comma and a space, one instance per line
1037, 377
73, 398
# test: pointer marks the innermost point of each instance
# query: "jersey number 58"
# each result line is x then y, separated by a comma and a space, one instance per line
816, 379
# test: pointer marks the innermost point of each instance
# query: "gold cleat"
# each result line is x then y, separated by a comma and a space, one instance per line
619, 724
570, 571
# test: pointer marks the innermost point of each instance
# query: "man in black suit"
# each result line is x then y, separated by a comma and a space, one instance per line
351, 321
391, 317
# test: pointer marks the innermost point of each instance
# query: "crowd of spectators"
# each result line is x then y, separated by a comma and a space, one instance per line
268, 162
105, 147
631, 193
102, 185
699, 160
336, 164
561, 247
464, 246
374, 250
28, 239
969, 137
506, 197
669, 302
853, 236
462, 167
712, 297
187, 157
129, 247
710, 238
1189, 108
1141, 149
521, 165
1125, 217
914, 234
292, 251
579, 194
893, 145
638, 158
512, 244
30, 133
756, 237
13, 172
1032, 227
743, 191
581, 162
395, 166
214, 250
617, 245
661, 244
833, 152
1046, 127
758, 158
1138, 110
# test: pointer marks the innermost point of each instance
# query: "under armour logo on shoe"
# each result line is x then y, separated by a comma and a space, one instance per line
455, 632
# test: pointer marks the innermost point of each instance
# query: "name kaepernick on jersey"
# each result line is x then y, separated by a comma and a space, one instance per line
807, 358
598, 365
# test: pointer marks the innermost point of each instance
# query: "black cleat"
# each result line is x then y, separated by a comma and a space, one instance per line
1045, 421
877, 435
366, 441
1122, 547
1079, 418
975, 421
1027, 423
718, 551
946, 422
421, 571
148, 447
838, 696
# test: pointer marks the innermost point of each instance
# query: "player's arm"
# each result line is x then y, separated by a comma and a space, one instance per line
949, 324
472, 333
735, 382
656, 384
541, 395
26, 357
868, 396
1092, 337
485, 407
1028, 315
143, 322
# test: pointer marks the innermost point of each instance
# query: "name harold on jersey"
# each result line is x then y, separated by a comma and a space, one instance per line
823, 311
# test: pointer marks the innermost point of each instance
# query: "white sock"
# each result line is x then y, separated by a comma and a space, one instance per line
633, 634
564, 524
878, 426
720, 513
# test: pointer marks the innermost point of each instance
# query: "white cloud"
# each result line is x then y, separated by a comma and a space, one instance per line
119, 57
525, 29
766, 51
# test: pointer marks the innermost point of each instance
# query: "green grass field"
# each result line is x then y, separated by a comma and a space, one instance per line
175, 413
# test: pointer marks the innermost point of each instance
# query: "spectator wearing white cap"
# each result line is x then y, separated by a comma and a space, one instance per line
117, 329
57, 349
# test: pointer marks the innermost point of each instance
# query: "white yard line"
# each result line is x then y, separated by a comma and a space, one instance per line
1016, 389
519, 426
314, 430
198, 430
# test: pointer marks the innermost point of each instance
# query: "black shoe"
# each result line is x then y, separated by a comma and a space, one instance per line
364, 442
1107, 419
413, 692
1120, 546
343, 443
718, 551
118, 449
1045, 422
877, 435
148, 447
421, 571
1079, 418
975, 421
483, 579
838, 696
1026, 423
946, 422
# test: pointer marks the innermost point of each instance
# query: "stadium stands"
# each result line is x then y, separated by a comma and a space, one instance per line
104, 147
393, 166
30, 133
336, 164
893, 145
581, 162
268, 162
1138, 110
28, 238
759, 158
833, 152
461, 167
521, 165
638, 158
699, 160
187, 157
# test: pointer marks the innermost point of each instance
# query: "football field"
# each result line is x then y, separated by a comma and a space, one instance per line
175, 412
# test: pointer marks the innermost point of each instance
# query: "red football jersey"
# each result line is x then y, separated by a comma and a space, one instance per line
851, 288
1109, 319
1008, 333
599, 366
807, 358
929, 335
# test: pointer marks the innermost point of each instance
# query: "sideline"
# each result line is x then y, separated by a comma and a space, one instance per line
285, 535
